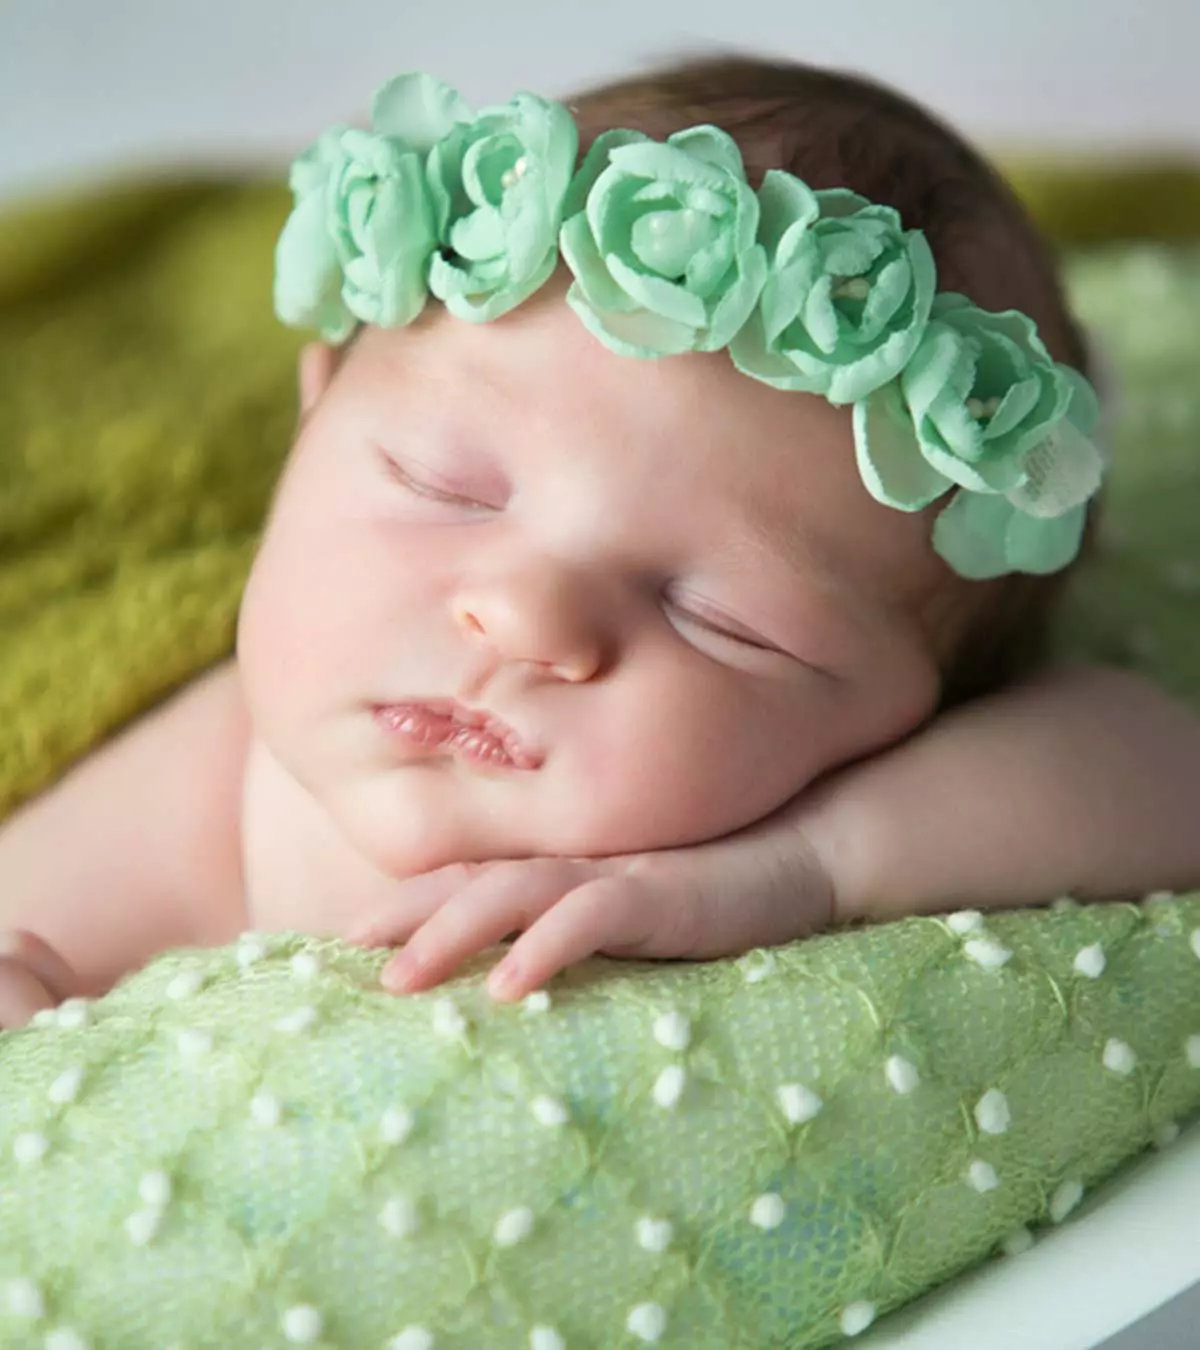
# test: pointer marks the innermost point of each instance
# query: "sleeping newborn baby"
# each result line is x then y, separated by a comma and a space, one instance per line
663, 657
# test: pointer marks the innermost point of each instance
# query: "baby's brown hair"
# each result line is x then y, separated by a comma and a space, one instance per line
833, 129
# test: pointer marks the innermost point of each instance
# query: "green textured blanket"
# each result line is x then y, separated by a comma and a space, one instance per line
254, 1147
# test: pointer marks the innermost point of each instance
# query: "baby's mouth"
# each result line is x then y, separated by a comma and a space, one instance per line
443, 726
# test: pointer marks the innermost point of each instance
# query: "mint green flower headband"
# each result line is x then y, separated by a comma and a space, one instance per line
672, 251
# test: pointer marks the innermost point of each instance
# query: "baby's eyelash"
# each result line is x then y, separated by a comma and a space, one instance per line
401, 475
699, 619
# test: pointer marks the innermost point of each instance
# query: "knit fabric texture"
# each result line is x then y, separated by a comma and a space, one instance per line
255, 1146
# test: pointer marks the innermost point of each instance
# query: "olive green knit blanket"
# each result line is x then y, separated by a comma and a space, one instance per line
254, 1147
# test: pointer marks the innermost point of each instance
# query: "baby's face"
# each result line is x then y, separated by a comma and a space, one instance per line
663, 581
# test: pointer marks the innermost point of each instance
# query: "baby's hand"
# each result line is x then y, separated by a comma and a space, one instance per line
757, 888
33, 976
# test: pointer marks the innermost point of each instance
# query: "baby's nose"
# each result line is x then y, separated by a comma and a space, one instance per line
546, 615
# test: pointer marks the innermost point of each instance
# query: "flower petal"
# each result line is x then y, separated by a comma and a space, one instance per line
970, 534
479, 235
713, 146
1041, 546
1062, 471
657, 295
595, 286
750, 353
417, 108
634, 333
735, 306
308, 276
651, 159
890, 461
595, 162
784, 202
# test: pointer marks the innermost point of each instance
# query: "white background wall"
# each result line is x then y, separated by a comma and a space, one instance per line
89, 84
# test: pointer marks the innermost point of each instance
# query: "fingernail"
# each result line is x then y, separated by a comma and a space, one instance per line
397, 974
504, 978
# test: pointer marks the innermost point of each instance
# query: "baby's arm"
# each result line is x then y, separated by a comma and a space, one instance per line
133, 851
1084, 781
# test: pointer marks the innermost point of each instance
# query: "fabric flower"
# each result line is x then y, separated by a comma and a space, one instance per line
358, 241
847, 296
498, 181
661, 238
985, 535
973, 406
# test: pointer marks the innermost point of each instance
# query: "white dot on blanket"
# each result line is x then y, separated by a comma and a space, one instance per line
902, 1075
767, 1211
25, 1299
65, 1087
302, 1324
155, 1188
64, 1338
295, 1022
447, 1020
45, 1017
1193, 1051
756, 965
991, 1112
549, 1111
1090, 961
1064, 1199
647, 1321
29, 1147
250, 949
857, 1317
673, 1030
987, 952
798, 1103
1018, 1241
399, 1216
1166, 1134
513, 1227
1195, 941
964, 922
654, 1235
142, 1226
193, 1042
305, 966
668, 1086
265, 1109
546, 1338
536, 1002
412, 1338
1119, 1057
184, 985
74, 1014
395, 1125
982, 1176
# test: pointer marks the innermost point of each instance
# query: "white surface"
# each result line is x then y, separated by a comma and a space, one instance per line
89, 85
85, 84
1115, 1260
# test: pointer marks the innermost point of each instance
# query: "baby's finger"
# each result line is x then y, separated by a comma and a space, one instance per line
497, 903
606, 914
38, 956
21, 994
414, 900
